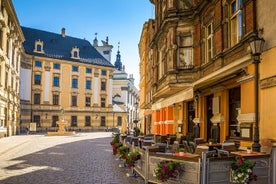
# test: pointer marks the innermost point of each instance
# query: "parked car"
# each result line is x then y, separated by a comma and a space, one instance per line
113, 129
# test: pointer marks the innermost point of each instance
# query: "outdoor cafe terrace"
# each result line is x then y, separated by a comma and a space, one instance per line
168, 159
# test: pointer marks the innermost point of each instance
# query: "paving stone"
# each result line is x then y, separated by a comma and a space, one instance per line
82, 159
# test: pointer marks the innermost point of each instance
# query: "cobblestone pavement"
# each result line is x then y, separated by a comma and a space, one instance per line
85, 158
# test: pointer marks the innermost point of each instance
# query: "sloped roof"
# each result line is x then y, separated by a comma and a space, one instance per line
56, 46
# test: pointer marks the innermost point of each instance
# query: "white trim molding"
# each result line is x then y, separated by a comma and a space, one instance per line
217, 118
246, 118
167, 122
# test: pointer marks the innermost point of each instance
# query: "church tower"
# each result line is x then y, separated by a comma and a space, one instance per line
118, 63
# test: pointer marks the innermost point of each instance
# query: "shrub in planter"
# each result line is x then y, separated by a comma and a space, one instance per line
123, 152
132, 157
167, 169
242, 170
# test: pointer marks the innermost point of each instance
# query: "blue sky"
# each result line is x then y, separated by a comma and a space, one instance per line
121, 20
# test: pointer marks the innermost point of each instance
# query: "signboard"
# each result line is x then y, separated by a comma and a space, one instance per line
33, 127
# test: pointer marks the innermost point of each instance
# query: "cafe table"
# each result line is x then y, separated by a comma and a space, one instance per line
211, 146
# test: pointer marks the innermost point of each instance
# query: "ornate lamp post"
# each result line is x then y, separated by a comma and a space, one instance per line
256, 46
135, 121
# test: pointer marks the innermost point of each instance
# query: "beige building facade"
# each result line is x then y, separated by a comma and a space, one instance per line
63, 77
11, 38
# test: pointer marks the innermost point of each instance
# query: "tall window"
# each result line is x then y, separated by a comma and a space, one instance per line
75, 69
88, 84
102, 120
102, 102
57, 66
56, 81
37, 98
54, 121
88, 70
103, 72
6, 79
161, 67
74, 121
236, 21
185, 51
38, 64
55, 99
74, 101
87, 101
37, 120
87, 120
1, 39
119, 121
37, 79
103, 85
74, 83
38, 48
209, 43
75, 54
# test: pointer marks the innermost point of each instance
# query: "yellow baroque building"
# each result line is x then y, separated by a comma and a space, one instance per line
63, 77
198, 75
11, 38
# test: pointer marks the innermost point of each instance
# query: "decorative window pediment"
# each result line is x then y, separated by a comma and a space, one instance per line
75, 53
39, 46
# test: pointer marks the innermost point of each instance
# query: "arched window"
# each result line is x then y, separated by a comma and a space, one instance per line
38, 46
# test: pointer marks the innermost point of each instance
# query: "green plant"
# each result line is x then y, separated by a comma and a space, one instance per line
132, 157
167, 169
115, 143
123, 151
210, 140
115, 139
115, 147
242, 170
182, 150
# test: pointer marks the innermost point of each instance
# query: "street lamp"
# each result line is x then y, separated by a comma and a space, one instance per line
136, 119
256, 46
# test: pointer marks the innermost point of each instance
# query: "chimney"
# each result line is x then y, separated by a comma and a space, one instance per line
63, 32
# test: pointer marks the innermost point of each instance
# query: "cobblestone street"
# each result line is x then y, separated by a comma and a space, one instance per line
83, 158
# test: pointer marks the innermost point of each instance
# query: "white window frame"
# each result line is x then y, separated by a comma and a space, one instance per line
73, 51
236, 22
209, 46
37, 44
185, 51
